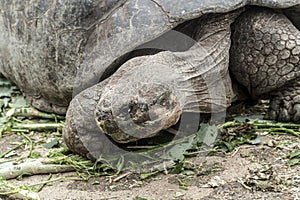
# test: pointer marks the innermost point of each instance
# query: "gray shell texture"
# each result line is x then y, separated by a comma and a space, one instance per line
54, 49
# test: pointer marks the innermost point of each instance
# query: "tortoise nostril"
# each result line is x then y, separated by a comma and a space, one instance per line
138, 111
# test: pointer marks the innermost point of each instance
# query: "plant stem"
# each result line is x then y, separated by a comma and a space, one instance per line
33, 166
56, 180
12, 149
38, 126
31, 112
30, 142
17, 192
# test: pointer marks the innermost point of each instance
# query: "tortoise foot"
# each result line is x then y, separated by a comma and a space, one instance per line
285, 103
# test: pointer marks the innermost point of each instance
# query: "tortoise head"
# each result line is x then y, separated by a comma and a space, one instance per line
134, 117
138, 106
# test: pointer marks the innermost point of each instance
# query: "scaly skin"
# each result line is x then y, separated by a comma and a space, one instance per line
265, 57
285, 103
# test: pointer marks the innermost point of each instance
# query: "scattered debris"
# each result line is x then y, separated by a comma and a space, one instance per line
215, 182
263, 178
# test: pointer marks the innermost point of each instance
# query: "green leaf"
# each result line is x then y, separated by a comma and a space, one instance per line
207, 134
52, 143
176, 152
35, 154
18, 102
5, 92
7, 88
293, 161
177, 169
230, 145
120, 164
294, 154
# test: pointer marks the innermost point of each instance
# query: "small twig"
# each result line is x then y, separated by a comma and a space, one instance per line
244, 185
232, 154
12, 149
122, 176
113, 197
30, 143
194, 153
165, 167
57, 180
44, 184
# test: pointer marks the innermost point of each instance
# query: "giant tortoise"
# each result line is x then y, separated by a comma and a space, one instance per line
135, 67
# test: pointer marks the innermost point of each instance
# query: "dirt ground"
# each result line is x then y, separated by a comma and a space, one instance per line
249, 172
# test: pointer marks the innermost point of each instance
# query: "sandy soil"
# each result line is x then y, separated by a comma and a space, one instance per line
249, 172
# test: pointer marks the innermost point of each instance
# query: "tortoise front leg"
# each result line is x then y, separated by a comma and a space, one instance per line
265, 57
